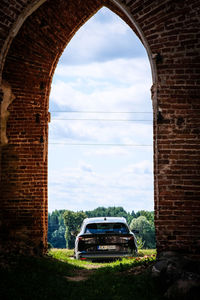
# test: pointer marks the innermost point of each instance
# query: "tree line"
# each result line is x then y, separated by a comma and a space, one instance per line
62, 224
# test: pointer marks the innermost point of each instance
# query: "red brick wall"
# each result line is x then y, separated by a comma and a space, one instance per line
171, 31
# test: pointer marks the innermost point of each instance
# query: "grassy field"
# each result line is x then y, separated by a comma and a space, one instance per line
66, 255
58, 276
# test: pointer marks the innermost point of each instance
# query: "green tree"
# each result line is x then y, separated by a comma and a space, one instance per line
146, 231
56, 229
73, 221
113, 211
58, 238
148, 214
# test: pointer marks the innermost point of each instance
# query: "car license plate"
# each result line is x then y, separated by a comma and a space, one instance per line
106, 247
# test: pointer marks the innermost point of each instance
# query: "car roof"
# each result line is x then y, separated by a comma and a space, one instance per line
105, 220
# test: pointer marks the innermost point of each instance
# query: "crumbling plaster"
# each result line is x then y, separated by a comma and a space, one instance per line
8, 98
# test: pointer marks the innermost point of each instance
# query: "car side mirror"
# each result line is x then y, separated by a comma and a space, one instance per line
135, 231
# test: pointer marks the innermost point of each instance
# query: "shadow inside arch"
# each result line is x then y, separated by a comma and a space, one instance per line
49, 278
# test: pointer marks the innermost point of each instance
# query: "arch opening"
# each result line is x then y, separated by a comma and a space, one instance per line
100, 144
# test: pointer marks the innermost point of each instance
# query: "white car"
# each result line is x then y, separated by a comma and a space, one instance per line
105, 238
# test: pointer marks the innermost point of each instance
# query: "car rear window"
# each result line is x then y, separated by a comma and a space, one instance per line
95, 228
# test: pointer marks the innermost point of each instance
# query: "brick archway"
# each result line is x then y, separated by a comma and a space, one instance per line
170, 32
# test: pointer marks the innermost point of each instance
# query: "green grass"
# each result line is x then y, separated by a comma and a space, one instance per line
66, 255
143, 252
48, 278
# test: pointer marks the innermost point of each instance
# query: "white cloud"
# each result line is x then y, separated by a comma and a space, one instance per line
144, 167
86, 167
103, 37
111, 151
132, 93
126, 71
106, 133
103, 99
79, 188
112, 86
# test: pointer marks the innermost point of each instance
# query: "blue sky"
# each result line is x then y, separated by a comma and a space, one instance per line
102, 81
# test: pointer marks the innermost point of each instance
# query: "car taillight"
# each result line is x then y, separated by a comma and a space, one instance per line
84, 239
128, 238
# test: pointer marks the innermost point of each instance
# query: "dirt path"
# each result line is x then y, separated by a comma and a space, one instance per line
84, 274
80, 275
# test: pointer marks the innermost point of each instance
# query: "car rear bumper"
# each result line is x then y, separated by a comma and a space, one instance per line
103, 255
